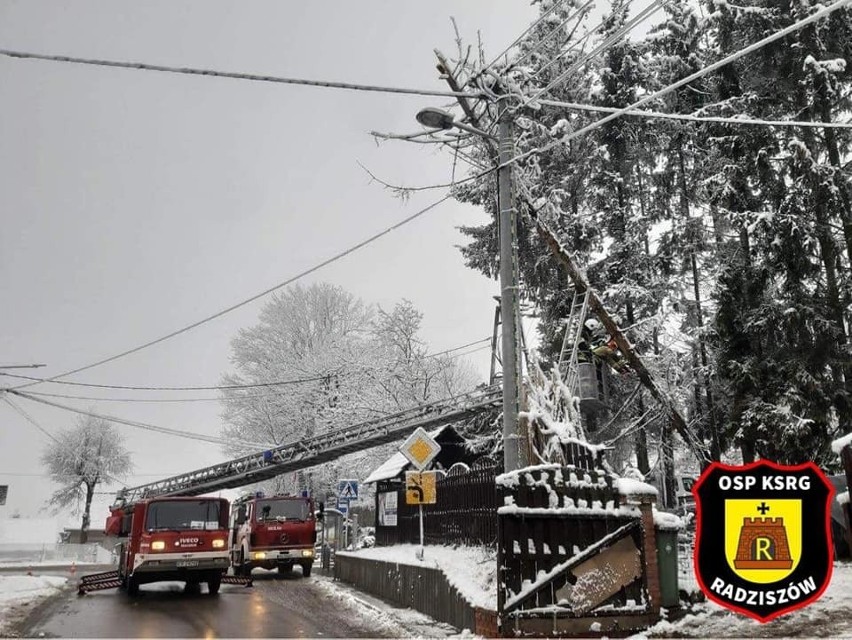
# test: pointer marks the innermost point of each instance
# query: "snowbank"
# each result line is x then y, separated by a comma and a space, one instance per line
635, 488
471, 570
17, 593
830, 616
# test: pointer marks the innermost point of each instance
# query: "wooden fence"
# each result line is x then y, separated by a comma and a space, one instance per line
573, 558
422, 588
465, 512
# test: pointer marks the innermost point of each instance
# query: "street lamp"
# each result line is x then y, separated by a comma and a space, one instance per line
435, 118
438, 119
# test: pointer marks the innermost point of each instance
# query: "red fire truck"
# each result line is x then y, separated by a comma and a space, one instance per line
270, 532
168, 538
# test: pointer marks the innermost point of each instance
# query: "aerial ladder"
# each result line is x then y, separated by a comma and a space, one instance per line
568, 362
314, 450
296, 455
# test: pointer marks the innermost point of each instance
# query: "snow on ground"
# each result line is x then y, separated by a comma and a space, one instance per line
398, 622
19, 594
830, 616
471, 570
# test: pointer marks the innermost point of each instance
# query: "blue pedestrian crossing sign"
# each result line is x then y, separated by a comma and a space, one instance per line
347, 489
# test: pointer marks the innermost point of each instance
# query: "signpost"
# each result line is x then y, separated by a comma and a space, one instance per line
420, 449
347, 489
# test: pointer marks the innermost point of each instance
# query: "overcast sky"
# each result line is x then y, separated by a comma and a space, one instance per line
134, 203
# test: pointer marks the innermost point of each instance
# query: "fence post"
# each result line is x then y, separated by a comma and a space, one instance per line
649, 553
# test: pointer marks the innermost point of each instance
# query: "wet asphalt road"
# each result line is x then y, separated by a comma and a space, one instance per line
287, 606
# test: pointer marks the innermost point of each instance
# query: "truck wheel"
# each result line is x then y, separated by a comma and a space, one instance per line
213, 585
132, 586
306, 569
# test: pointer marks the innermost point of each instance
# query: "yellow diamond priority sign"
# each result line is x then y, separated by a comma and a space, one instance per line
420, 449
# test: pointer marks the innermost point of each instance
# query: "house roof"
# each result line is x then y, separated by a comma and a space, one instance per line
397, 463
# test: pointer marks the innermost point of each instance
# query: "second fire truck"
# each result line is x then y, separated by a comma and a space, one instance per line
273, 532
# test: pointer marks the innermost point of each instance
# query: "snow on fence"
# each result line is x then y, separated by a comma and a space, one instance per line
577, 550
466, 511
19, 554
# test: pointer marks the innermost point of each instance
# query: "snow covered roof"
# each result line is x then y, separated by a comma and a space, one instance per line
391, 468
838, 445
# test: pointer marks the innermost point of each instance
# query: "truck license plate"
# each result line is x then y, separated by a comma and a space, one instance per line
187, 563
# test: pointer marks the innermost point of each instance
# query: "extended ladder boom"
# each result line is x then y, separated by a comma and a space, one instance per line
318, 449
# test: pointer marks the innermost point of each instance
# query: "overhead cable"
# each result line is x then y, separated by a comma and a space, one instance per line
238, 76
692, 118
568, 49
29, 418
243, 303
464, 346
532, 26
222, 387
555, 30
200, 437
818, 15
604, 46
151, 400
274, 383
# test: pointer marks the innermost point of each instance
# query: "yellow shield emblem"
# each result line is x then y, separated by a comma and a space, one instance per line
763, 538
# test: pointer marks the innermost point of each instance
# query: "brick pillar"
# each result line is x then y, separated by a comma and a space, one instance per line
846, 457
649, 553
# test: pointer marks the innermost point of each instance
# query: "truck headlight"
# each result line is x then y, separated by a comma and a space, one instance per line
258, 555
308, 553
218, 543
158, 545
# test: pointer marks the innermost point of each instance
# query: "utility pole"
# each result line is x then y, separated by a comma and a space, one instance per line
507, 230
508, 292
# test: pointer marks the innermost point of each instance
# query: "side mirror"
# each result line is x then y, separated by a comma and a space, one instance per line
321, 514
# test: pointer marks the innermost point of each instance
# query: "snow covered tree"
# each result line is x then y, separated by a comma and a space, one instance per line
81, 458
344, 362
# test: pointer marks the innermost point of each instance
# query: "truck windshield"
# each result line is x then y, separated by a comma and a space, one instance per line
182, 514
282, 510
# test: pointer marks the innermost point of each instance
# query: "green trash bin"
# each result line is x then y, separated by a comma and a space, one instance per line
667, 566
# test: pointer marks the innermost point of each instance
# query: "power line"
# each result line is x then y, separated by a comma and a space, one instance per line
222, 387
471, 352
141, 388
29, 418
604, 46
532, 26
243, 303
237, 76
568, 50
694, 76
149, 400
692, 118
141, 425
556, 29
464, 346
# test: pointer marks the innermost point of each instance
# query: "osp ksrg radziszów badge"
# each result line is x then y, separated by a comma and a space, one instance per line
763, 540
